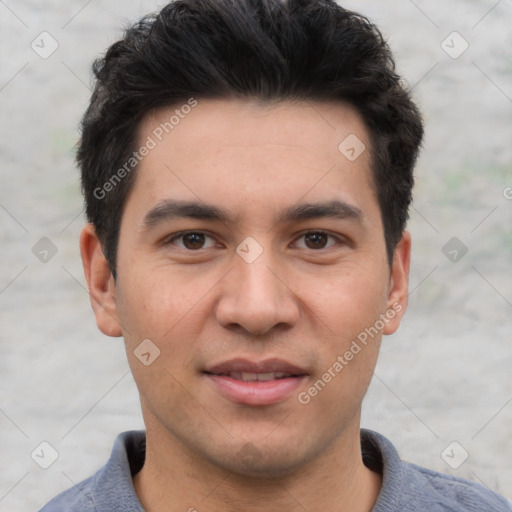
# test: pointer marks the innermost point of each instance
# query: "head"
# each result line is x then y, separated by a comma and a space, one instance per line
279, 138
268, 51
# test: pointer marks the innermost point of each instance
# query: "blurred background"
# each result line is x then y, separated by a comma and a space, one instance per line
442, 390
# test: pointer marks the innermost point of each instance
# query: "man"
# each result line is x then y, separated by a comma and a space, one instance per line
247, 170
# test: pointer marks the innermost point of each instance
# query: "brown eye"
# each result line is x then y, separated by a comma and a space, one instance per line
316, 240
193, 240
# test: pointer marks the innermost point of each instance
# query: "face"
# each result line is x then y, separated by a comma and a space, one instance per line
252, 256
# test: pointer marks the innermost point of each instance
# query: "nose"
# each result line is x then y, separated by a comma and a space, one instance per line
256, 298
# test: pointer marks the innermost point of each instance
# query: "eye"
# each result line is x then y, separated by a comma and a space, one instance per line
191, 240
316, 240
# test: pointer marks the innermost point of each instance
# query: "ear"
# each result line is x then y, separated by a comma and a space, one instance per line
101, 284
398, 284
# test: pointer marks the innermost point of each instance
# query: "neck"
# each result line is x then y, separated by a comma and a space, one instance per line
175, 478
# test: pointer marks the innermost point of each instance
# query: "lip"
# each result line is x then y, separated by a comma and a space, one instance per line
265, 392
265, 366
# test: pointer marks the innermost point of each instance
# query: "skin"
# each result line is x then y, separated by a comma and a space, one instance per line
296, 301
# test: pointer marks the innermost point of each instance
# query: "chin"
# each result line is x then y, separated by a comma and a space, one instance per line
263, 469
262, 462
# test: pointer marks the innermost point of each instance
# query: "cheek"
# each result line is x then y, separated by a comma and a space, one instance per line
347, 309
349, 348
347, 301
155, 298
171, 310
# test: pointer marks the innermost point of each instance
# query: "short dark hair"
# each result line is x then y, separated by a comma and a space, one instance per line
268, 50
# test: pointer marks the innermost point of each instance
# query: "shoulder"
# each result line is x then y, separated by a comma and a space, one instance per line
78, 498
408, 488
449, 493
111, 487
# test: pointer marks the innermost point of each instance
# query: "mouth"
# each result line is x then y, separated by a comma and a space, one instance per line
255, 383
255, 377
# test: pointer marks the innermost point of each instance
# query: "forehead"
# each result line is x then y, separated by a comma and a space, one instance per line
250, 156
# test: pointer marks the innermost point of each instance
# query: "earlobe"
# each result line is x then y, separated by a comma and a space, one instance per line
399, 283
101, 284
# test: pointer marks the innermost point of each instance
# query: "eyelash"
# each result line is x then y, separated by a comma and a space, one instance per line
181, 234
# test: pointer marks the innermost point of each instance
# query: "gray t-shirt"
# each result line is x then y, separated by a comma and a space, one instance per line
405, 487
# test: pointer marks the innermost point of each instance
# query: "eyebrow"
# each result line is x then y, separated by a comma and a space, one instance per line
170, 209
